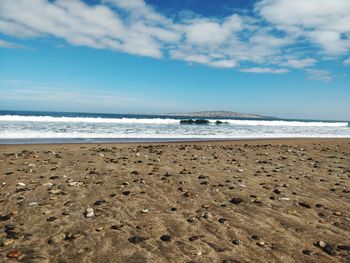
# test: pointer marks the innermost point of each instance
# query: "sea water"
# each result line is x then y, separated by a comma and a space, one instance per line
29, 127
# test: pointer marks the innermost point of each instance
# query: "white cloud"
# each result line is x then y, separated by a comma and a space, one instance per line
264, 70
318, 74
322, 22
347, 61
263, 38
299, 63
7, 44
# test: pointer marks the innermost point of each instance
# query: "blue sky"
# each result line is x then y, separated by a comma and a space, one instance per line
273, 57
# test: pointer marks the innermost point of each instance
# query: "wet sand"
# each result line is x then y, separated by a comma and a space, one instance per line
235, 201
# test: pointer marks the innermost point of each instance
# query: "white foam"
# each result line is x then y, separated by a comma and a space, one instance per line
286, 123
164, 121
17, 118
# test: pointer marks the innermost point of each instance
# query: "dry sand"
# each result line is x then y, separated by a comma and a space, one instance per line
240, 201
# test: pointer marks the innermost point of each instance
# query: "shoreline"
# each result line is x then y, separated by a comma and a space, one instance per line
155, 141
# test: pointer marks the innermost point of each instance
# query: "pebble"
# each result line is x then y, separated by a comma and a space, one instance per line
326, 248
236, 200
145, 210
33, 204
136, 239
344, 247
8, 241
307, 252
261, 243
89, 212
255, 237
99, 202
193, 238
236, 242
14, 254
165, 238
305, 205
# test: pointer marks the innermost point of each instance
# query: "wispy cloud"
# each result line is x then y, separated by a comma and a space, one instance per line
317, 74
7, 44
264, 70
264, 38
346, 61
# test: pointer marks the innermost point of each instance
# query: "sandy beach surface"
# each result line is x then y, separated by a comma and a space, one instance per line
235, 201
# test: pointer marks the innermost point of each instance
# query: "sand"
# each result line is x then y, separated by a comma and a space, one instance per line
238, 201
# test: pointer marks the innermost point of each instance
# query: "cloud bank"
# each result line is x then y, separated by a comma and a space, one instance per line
280, 35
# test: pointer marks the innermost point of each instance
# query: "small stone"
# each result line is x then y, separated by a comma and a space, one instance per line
165, 238
99, 229
145, 210
187, 194
126, 193
321, 244
329, 250
5, 217
222, 220
14, 212
21, 184
276, 191
14, 254
305, 205
255, 237
99, 202
101, 155
261, 243
337, 213
136, 239
193, 238
230, 261
89, 212
191, 219
307, 252
33, 204
51, 219
236, 242
344, 247
236, 200
8, 241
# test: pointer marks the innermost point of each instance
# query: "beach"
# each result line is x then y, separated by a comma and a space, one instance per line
282, 200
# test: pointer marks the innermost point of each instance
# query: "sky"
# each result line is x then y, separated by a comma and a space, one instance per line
279, 58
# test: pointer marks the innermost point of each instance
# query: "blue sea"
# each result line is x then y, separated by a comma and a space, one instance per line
60, 127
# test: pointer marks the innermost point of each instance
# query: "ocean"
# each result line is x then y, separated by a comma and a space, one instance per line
61, 127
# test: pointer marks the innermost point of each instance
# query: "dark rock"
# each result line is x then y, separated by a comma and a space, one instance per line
136, 239
5, 218
329, 249
126, 192
193, 238
230, 261
236, 200
236, 242
99, 202
305, 205
222, 220
165, 238
51, 218
344, 247
255, 237
307, 252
